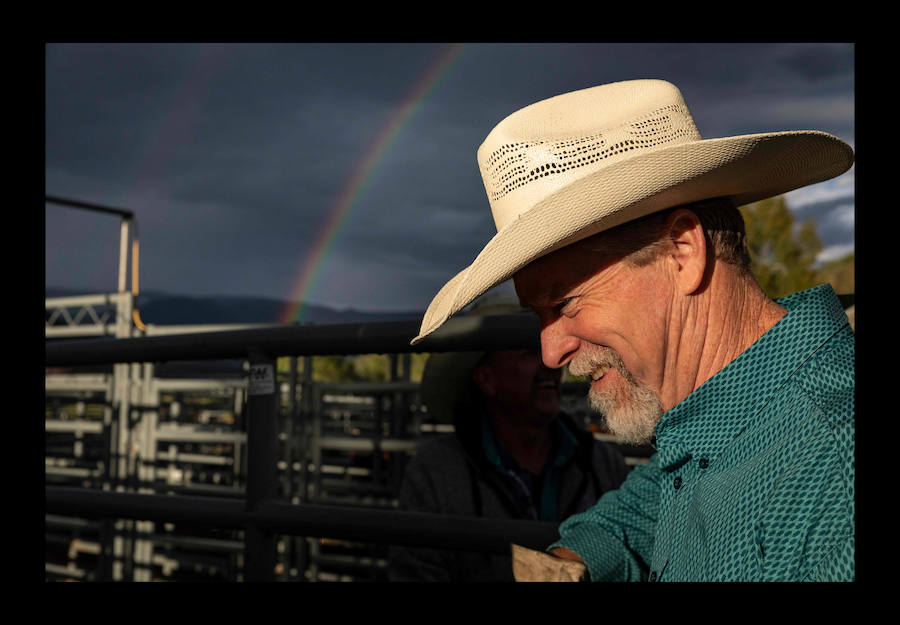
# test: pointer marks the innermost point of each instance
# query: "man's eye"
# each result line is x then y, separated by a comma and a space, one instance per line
562, 305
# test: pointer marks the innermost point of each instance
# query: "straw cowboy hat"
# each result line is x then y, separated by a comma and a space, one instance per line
447, 379
571, 166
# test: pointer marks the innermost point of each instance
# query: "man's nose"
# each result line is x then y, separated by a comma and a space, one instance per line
557, 346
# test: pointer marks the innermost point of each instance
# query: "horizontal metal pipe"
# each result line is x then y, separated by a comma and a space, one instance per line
71, 301
461, 331
463, 334
391, 527
96, 504
89, 206
193, 542
489, 333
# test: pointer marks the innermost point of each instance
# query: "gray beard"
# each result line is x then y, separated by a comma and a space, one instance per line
631, 411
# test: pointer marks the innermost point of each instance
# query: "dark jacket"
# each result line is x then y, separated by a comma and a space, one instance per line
452, 475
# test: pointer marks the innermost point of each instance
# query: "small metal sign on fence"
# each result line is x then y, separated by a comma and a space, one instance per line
262, 380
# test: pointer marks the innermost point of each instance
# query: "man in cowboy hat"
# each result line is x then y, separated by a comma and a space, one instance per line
513, 453
619, 226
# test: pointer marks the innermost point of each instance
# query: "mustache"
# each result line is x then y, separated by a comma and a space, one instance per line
591, 357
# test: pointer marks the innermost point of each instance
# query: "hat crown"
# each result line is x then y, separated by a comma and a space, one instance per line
548, 145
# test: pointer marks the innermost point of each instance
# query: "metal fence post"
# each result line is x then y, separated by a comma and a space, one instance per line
262, 454
306, 403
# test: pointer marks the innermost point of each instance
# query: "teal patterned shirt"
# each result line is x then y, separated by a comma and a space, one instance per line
753, 475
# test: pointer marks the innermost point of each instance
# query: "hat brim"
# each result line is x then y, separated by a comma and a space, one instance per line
745, 168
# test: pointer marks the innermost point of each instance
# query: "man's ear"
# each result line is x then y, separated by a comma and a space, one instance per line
483, 377
688, 251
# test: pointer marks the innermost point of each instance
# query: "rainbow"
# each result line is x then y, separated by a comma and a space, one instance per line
309, 274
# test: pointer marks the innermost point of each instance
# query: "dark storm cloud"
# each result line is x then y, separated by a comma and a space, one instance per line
234, 156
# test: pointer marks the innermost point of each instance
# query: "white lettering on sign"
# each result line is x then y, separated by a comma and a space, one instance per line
262, 380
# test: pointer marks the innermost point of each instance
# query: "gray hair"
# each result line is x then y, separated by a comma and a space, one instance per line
641, 241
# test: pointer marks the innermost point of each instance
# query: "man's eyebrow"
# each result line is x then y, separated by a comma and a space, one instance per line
559, 292
550, 296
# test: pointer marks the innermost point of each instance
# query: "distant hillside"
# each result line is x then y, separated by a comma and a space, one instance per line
161, 308
166, 309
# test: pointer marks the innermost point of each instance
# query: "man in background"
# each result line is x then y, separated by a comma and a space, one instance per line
513, 454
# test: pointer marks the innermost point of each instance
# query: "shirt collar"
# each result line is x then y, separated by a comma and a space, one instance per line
719, 410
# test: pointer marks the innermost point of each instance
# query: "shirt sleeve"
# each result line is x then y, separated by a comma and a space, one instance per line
614, 538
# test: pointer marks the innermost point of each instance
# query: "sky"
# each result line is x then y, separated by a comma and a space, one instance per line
344, 174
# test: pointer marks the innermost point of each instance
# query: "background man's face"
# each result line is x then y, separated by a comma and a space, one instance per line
519, 381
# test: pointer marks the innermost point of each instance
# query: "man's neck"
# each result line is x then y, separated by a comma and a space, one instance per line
718, 325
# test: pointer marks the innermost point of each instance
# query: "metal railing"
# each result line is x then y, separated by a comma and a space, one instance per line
261, 514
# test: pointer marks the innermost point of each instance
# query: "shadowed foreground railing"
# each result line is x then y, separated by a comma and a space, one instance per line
260, 514
413, 529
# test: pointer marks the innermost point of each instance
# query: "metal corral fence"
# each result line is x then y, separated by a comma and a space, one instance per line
260, 513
